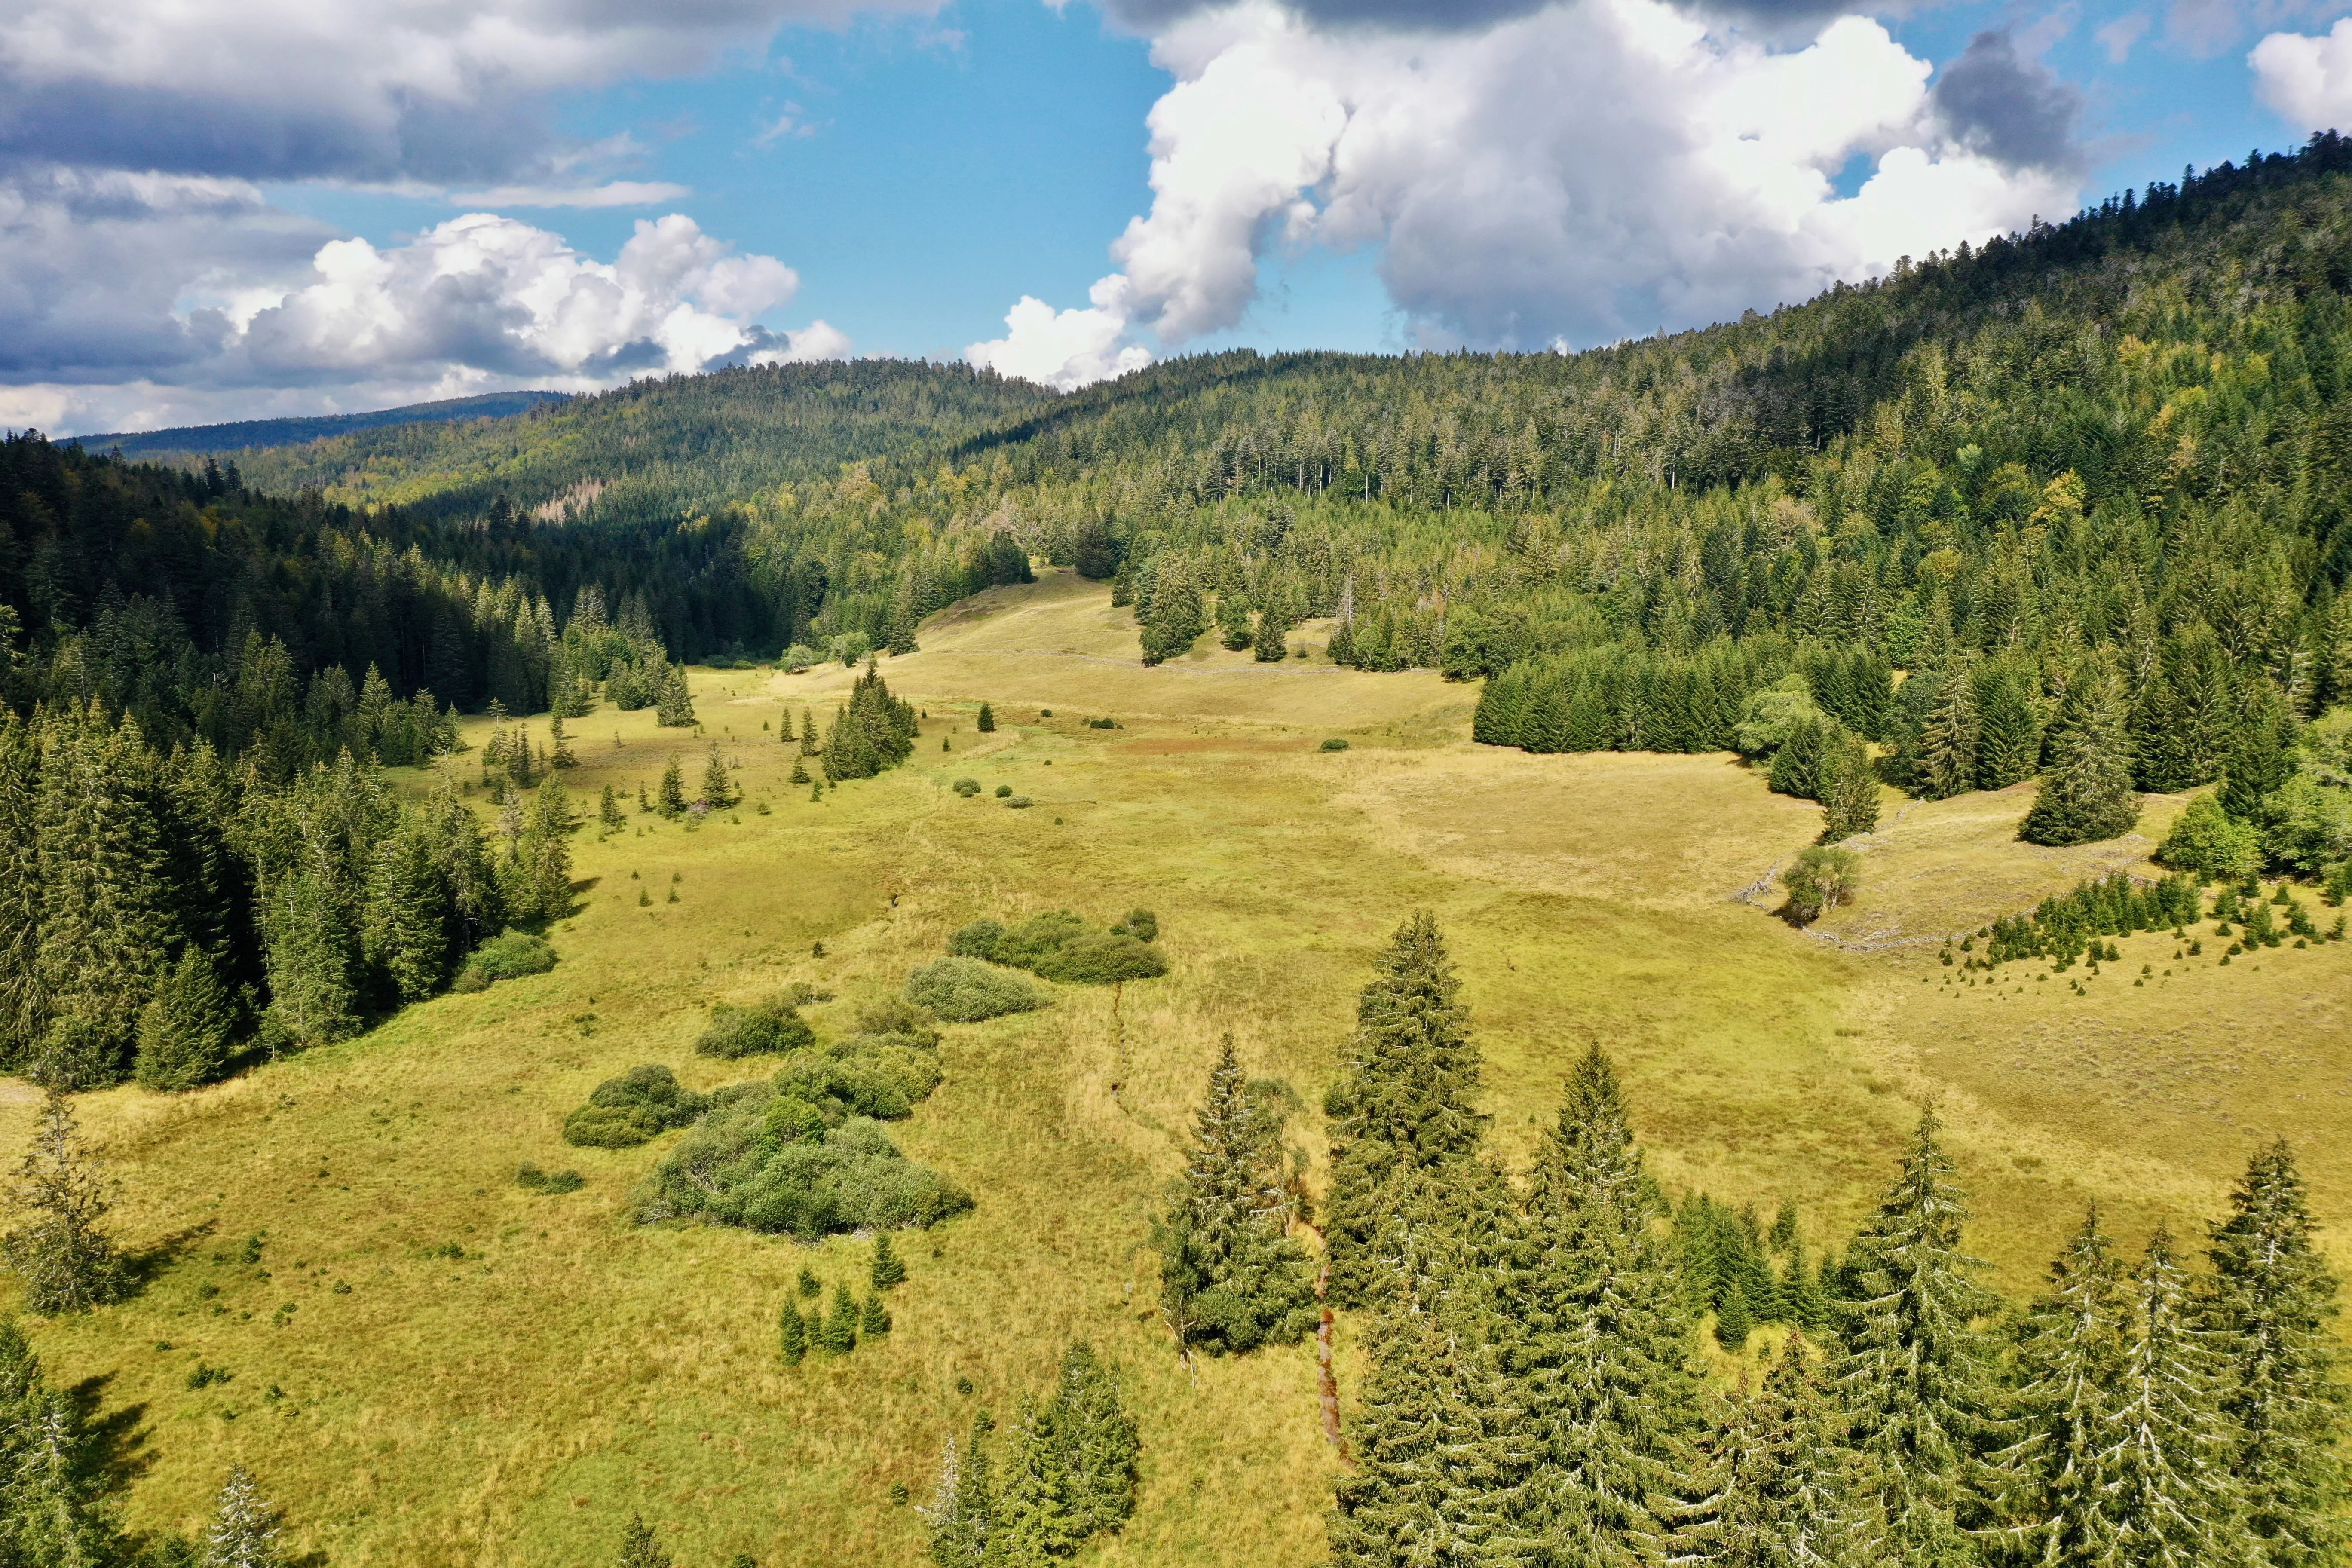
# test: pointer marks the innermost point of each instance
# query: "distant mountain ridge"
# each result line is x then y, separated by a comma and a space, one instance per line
192, 440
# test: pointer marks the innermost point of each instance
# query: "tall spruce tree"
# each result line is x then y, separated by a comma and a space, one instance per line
1946, 763
22, 1017
1096, 1443
59, 1250
53, 1503
1439, 1444
1406, 1099
2174, 1498
717, 784
1598, 1339
2009, 741
1232, 1277
1033, 1523
2086, 793
962, 1512
2058, 1479
1914, 1372
106, 926
1778, 1484
187, 1028
2269, 1309
244, 1532
407, 937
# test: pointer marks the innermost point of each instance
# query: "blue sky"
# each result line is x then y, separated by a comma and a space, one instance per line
799, 178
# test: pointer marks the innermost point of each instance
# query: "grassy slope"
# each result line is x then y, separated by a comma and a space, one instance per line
514, 1407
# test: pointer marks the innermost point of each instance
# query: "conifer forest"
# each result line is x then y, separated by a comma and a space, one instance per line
1724, 949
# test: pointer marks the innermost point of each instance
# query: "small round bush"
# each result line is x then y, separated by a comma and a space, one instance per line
966, 787
611, 1126
965, 991
1004, 790
1018, 802
1335, 744
762, 1028
981, 938
508, 956
1102, 958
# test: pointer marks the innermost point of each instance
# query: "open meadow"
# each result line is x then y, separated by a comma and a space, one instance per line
431, 1365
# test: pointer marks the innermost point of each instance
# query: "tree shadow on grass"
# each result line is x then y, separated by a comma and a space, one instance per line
118, 1453
144, 1266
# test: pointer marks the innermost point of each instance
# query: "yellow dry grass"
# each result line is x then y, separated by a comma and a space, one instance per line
514, 1406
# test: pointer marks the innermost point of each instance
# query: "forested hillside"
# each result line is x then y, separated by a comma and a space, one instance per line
2125, 432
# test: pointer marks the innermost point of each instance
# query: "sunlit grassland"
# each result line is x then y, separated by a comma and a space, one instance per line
514, 1406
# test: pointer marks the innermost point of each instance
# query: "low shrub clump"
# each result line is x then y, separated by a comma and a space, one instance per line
767, 1161
625, 1111
763, 1029
965, 991
508, 956
1060, 945
882, 1071
1334, 745
966, 787
531, 1179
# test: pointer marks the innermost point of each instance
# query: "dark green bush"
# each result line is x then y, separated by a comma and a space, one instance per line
1101, 958
531, 1178
1334, 745
763, 1029
965, 991
966, 787
897, 1016
1018, 802
1141, 924
508, 956
623, 1111
1002, 791
758, 1161
982, 939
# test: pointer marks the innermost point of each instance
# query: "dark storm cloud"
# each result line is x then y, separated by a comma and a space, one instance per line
2008, 107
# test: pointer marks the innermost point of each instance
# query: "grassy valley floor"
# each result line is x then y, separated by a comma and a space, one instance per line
431, 1365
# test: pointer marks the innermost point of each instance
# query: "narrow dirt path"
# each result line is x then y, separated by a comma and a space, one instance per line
1327, 1379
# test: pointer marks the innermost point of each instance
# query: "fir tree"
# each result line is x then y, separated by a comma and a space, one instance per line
1946, 759
1733, 1322
186, 1027
21, 1011
59, 1250
2087, 794
2173, 1498
56, 1512
874, 1317
669, 798
792, 1334
1779, 1486
1275, 622
105, 923
406, 935
1598, 1341
1409, 1084
718, 788
609, 814
2260, 760
1438, 1440
1233, 621
244, 1532
1032, 1524
1849, 789
639, 1546
987, 719
674, 708
313, 997
2008, 744
808, 734
559, 753
1095, 1444
2268, 1311
839, 1335
1231, 1278
539, 873
1174, 620
962, 1512
890, 1269
1913, 1369
2059, 1477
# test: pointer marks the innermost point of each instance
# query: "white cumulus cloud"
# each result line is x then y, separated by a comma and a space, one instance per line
2308, 81
1064, 349
1579, 173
